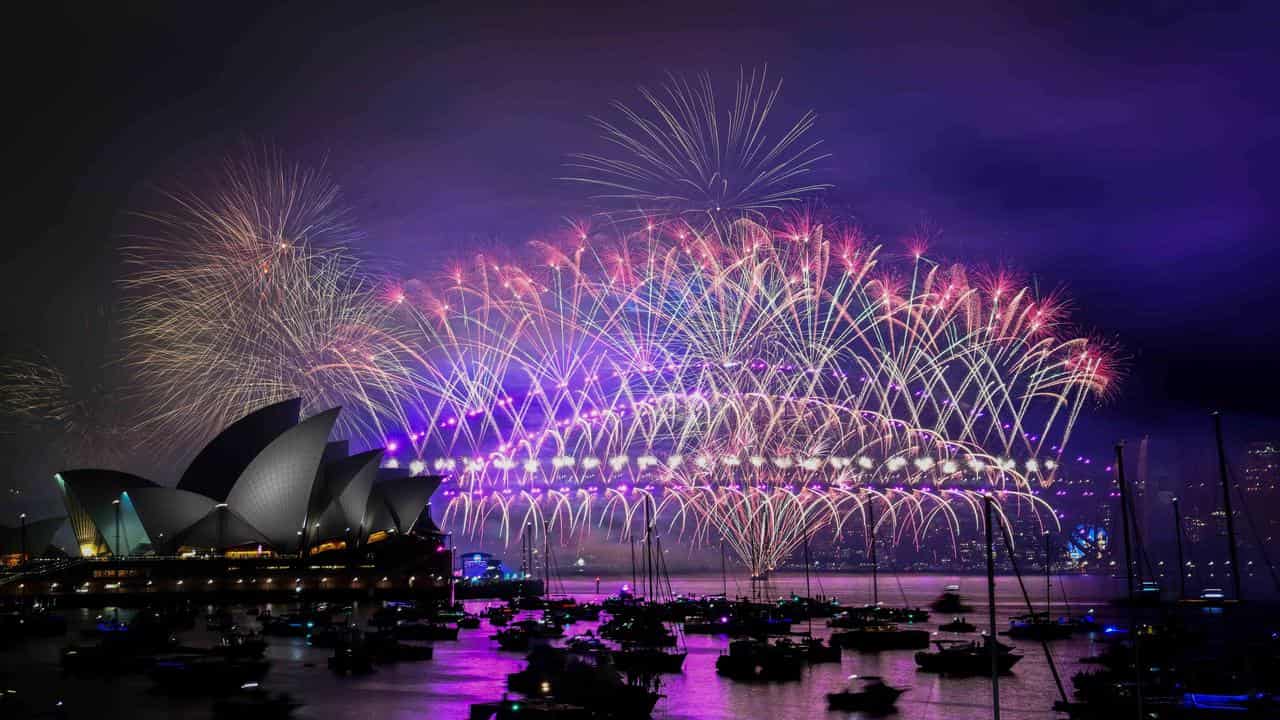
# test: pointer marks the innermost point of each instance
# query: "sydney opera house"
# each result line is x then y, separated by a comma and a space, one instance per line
272, 484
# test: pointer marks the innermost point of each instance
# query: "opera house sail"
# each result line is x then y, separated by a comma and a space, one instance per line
270, 483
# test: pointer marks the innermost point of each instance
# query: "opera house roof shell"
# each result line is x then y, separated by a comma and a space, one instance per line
269, 480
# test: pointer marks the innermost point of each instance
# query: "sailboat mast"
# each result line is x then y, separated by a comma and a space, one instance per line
648, 552
806, 566
1226, 508
1177, 534
1048, 582
546, 559
1124, 521
875, 579
808, 594
1134, 634
992, 645
724, 577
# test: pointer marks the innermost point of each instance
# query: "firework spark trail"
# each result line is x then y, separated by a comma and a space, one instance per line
79, 422
245, 294
35, 391
756, 380
683, 154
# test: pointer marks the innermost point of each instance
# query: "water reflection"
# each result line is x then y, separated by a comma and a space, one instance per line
472, 669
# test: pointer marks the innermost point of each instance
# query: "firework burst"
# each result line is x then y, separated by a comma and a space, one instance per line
80, 422
35, 391
756, 385
245, 294
684, 154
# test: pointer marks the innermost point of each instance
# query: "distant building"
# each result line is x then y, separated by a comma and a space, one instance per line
31, 539
269, 484
481, 566
1261, 472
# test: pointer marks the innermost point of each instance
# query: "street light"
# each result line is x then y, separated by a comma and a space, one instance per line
116, 502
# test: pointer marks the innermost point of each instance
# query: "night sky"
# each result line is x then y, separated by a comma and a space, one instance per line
1129, 156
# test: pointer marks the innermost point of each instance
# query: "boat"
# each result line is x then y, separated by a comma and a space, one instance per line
107, 658
237, 644
849, 619
38, 622
351, 659
909, 615
219, 621
586, 611
544, 628
1213, 596
1038, 626
1257, 704
958, 625
146, 631
291, 625
206, 674
586, 644
872, 614
554, 673
652, 660
352, 654
1147, 595
499, 614
328, 636
638, 629
251, 702
804, 608
393, 613
385, 648
513, 638
817, 651
739, 619
950, 601
624, 601
425, 630
875, 637
966, 657
528, 709
520, 635
873, 696
761, 661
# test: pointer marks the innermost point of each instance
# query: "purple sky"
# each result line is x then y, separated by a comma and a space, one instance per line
1131, 156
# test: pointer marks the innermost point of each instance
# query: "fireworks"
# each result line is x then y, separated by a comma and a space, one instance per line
35, 391
84, 418
685, 155
759, 384
246, 294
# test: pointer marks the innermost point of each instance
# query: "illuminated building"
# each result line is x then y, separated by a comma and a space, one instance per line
1261, 468
270, 484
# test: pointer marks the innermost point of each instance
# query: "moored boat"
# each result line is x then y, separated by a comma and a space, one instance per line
958, 625
761, 661
875, 637
251, 702
555, 674
871, 695
966, 657
653, 660
950, 601
1038, 626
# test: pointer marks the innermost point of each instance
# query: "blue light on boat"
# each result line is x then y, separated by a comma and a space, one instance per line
1210, 701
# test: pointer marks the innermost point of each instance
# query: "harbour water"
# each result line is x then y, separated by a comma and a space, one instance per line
472, 669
